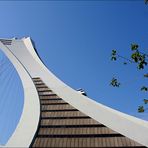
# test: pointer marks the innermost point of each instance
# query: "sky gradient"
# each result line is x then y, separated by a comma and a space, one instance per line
75, 39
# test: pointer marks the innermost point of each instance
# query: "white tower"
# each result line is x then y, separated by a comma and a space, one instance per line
32, 71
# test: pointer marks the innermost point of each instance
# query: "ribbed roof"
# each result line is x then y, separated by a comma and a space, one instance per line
62, 125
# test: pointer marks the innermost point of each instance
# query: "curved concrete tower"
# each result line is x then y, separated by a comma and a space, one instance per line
55, 115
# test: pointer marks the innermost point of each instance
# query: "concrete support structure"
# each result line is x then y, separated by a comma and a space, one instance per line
28, 65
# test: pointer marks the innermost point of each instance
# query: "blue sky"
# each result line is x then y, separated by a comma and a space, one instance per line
75, 39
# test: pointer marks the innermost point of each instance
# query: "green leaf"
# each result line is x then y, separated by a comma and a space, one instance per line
140, 109
114, 82
140, 66
114, 52
143, 88
113, 58
113, 55
134, 46
134, 56
146, 1
125, 63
